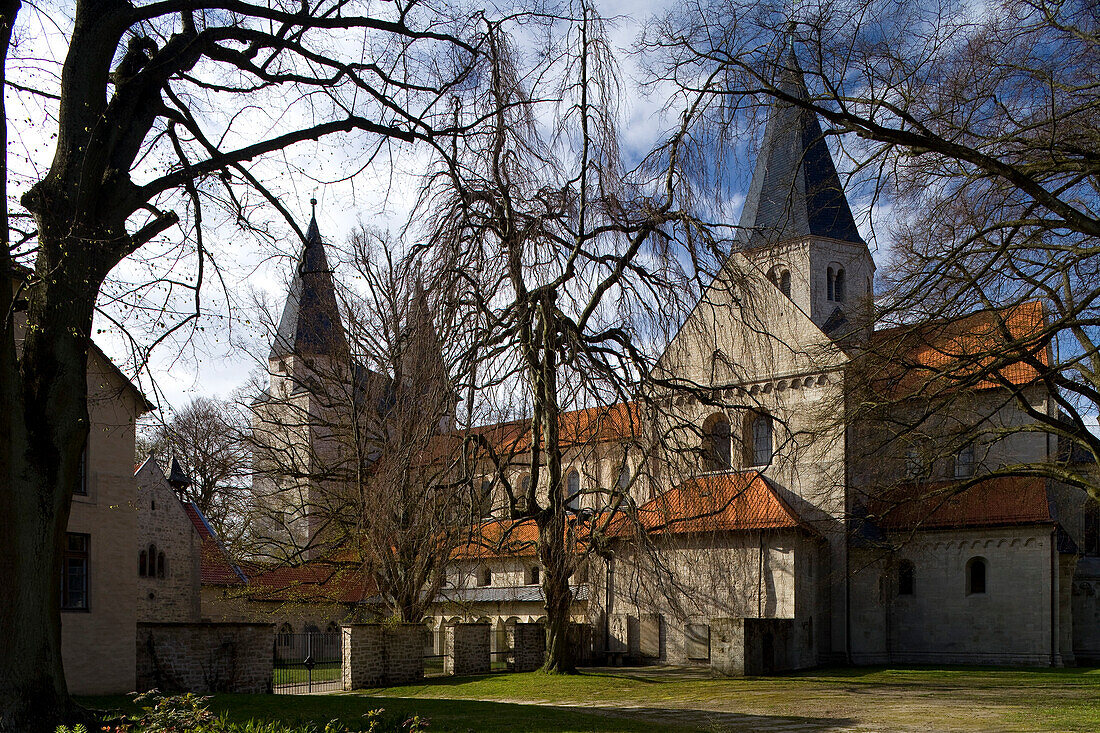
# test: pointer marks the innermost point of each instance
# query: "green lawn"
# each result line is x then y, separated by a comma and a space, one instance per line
654, 699
299, 675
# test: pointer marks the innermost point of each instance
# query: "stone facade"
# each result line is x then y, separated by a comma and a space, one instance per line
752, 646
378, 655
205, 657
467, 650
530, 647
97, 641
168, 590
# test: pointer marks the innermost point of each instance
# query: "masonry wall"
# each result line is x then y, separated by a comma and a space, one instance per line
204, 657
529, 647
377, 655
97, 644
162, 522
467, 649
941, 623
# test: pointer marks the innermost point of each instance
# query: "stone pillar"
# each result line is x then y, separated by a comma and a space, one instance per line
467, 650
727, 646
529, 647
404, 653
363, 656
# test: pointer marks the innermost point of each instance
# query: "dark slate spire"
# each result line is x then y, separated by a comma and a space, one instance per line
177, 477
795, 191
311, 321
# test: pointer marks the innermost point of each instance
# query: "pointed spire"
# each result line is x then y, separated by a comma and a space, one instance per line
310, 323
795, 190
177, 477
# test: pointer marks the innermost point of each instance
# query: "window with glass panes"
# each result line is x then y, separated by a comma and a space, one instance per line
74, 572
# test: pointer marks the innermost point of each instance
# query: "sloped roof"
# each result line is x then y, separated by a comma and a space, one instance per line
795, 190
969, 352
312, 582
310, 323
216, 567
499, 538
716, 502
600, 424
997, 501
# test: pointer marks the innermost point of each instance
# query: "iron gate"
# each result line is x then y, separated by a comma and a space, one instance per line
305, 663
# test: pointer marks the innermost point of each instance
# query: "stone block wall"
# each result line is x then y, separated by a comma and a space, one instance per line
163, 522
529, 647
377, 655
751, 646
204, 657
467, 649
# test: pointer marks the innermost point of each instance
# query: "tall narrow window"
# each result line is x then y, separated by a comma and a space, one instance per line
975, 575
838, 286
82, 482
964, 462
624, 474
160, 564
143, 563
785, 283
905, 578
912, 464
74, 572
573, 490
484, 506
716, 443
484, 577
760, 428
829, 284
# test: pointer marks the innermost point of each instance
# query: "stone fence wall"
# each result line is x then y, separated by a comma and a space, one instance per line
204, 657
751, 646
529, 647
467, 649
377, 655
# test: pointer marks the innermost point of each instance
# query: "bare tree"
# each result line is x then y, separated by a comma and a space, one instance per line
134, 160
354, 465
208, 438
973, 130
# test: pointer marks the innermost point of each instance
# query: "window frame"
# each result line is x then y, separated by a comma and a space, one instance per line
755, 442
971, 564
573, 493
68, 554
967, 468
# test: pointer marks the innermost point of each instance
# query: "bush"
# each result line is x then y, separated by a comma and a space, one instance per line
190, 714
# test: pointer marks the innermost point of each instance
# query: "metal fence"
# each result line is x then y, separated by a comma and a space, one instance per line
502, 661
305, 663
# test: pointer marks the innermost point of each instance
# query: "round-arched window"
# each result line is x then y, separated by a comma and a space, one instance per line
573, 490
716, 443
976, 575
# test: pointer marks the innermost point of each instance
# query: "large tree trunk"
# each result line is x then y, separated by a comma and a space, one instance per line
45, 426
559, 597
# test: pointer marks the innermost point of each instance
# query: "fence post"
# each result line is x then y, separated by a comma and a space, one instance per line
529, 647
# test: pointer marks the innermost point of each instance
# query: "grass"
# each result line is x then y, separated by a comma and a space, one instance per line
324, 672
653, 699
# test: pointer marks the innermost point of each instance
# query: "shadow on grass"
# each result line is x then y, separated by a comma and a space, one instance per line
490, 717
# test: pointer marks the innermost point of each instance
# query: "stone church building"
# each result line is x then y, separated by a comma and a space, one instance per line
772, 530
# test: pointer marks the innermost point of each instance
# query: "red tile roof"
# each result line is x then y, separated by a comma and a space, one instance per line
619, 421
998, 501
501, 538
312, 582
715, 503
970, 352
216, 567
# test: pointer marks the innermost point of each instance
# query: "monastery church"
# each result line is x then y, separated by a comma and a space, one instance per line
768, 541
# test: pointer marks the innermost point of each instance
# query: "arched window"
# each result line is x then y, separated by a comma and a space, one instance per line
312, 628
829, 284
573, 490
838, 286
534, 576
284, 638
905, 578
624, 475
912, 464
976, 569
484, 506
785, 283
160, 565
759, 427
964, 462
716, 443
143, 563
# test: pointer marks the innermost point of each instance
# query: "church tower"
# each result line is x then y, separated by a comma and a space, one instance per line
299, 421
796, 225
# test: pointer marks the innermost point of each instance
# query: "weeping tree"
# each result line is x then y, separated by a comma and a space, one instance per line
157, 125
559, 257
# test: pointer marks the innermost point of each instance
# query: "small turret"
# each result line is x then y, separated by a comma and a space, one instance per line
178, 478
